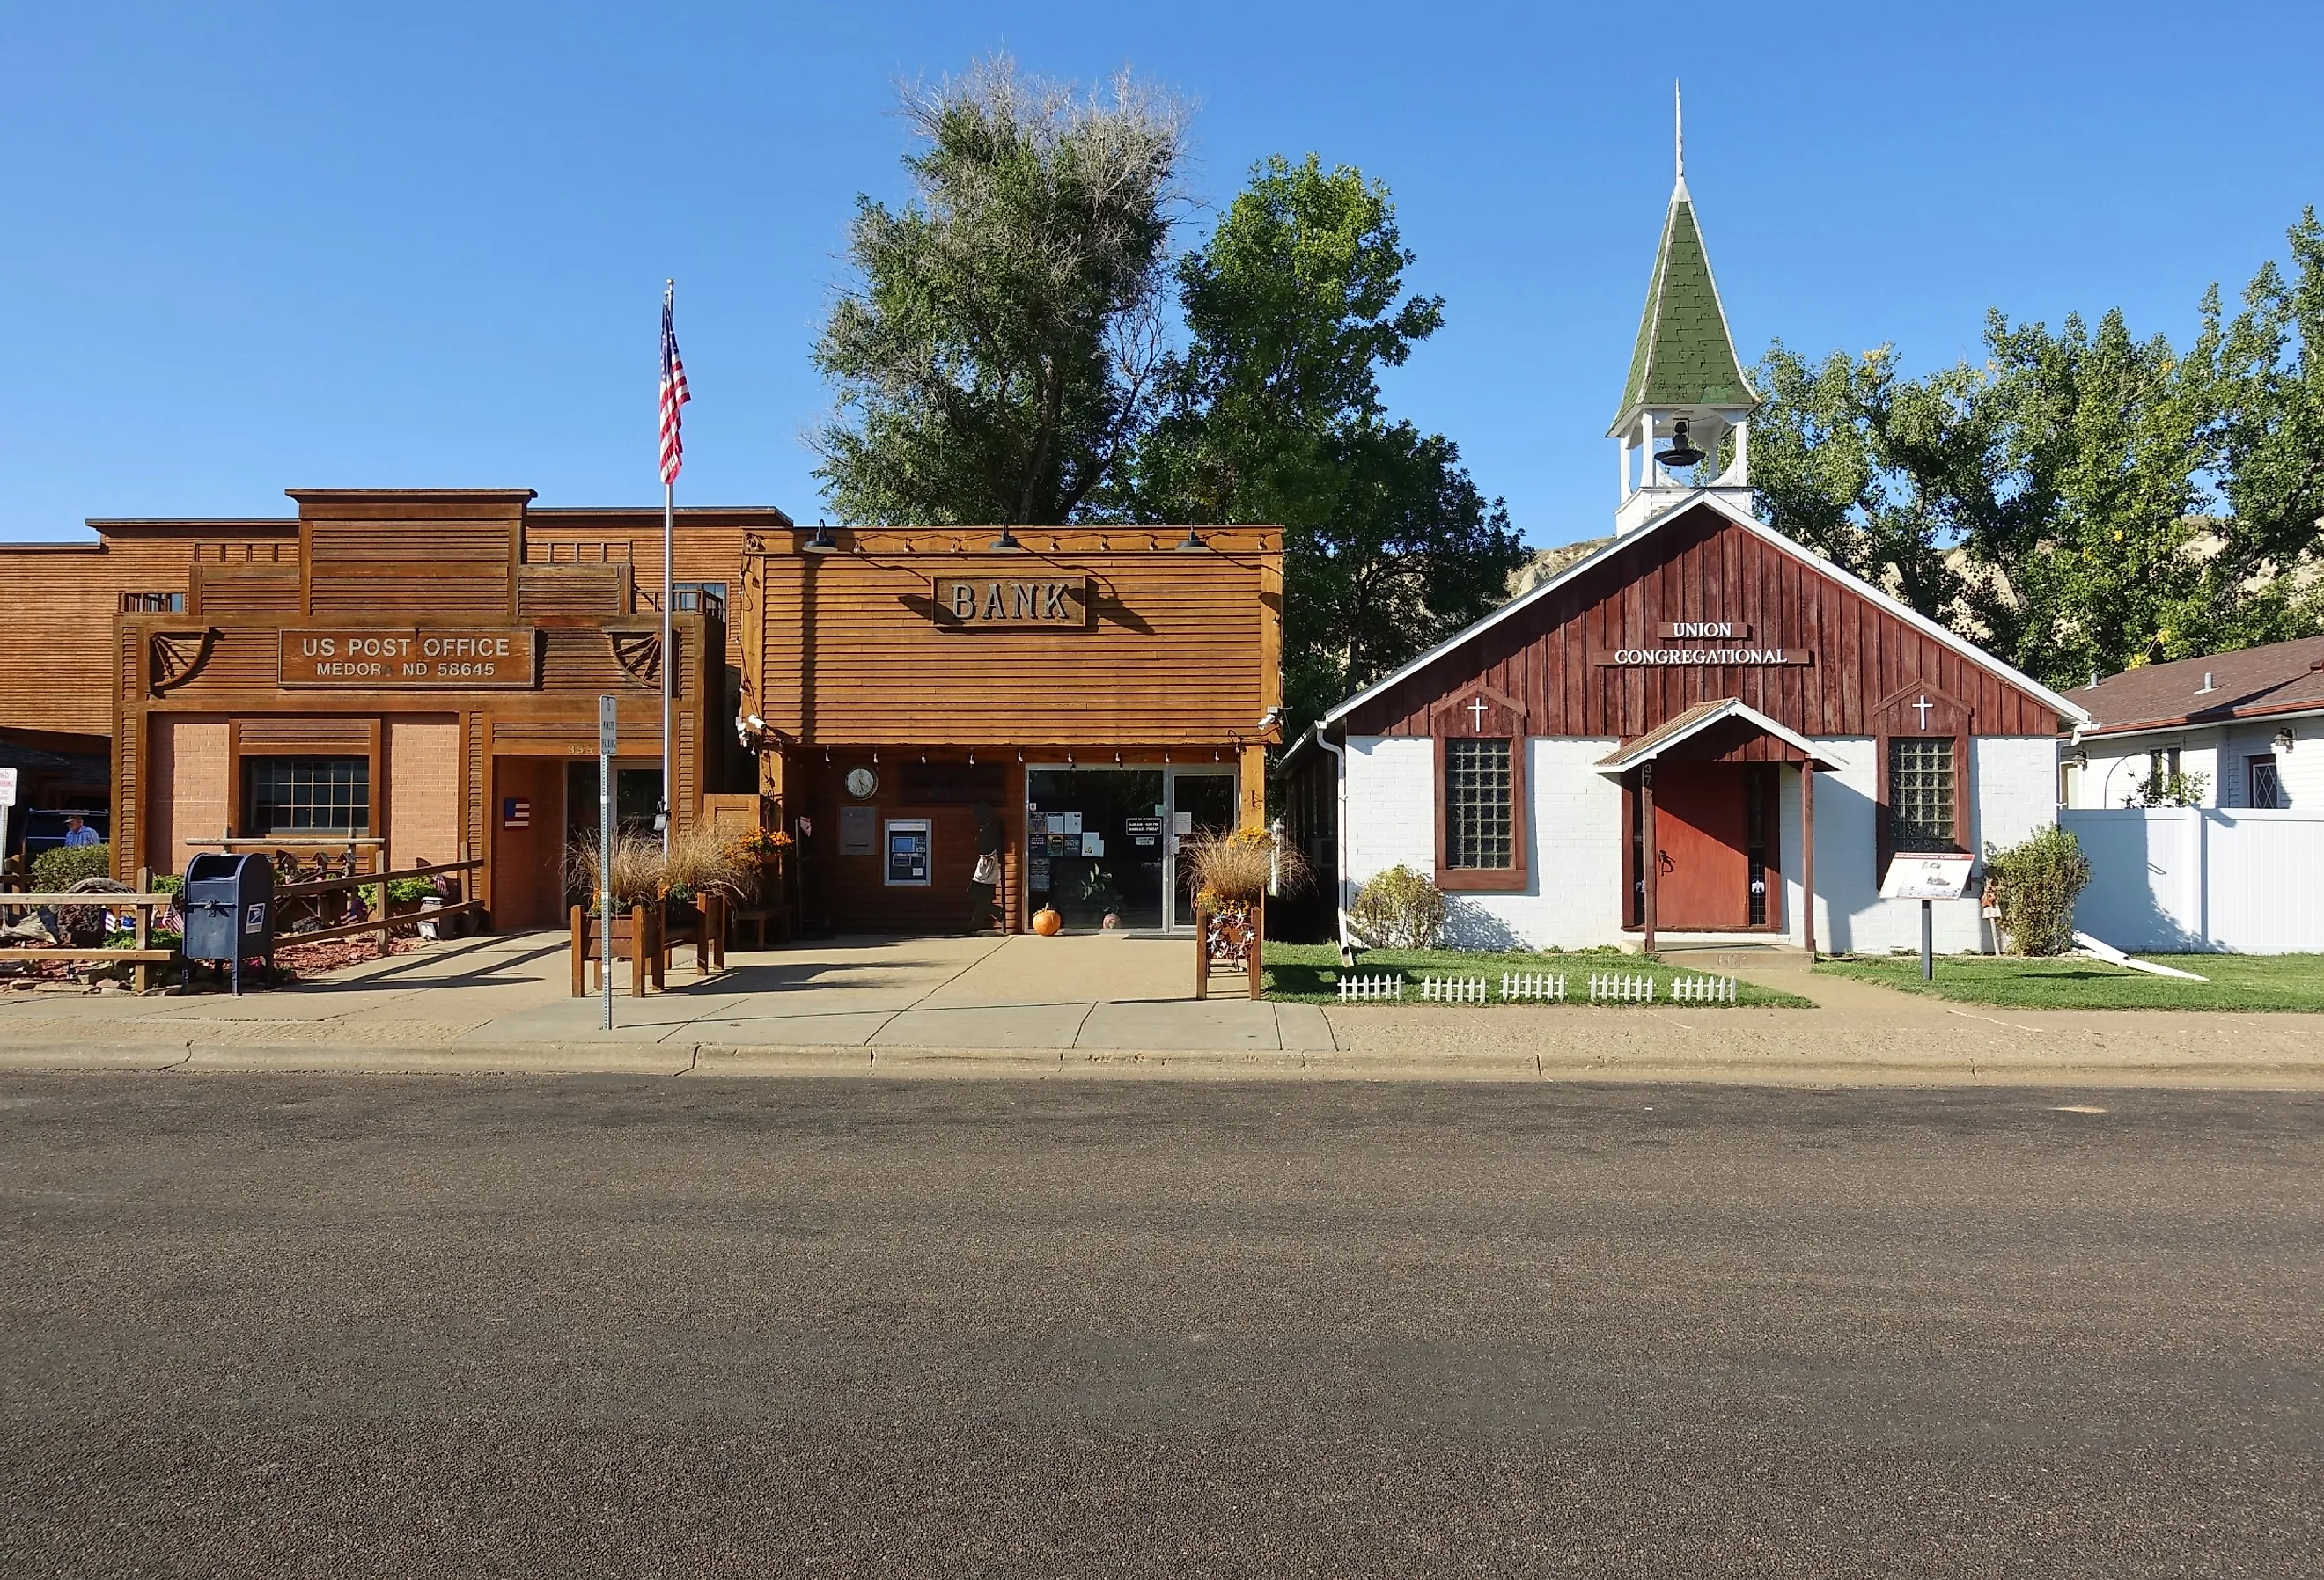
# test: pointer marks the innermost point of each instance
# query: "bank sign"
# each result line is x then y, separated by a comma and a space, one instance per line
367, 660
994, 602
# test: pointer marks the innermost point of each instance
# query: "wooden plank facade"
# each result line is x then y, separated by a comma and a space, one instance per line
958, 685
444, 650
1550, 656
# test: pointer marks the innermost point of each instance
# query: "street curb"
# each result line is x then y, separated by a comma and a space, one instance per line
916, 1063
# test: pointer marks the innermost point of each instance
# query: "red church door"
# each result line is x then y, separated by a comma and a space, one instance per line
1703, 830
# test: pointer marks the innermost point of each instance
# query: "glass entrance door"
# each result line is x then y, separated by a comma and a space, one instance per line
1093, 846
1199, 803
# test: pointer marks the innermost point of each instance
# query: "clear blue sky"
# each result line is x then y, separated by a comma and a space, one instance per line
246, 247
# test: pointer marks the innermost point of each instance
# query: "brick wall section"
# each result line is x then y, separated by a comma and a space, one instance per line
187, 793
423, 790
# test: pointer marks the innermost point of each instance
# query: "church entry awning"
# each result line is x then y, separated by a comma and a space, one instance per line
1722, 732
1726, 731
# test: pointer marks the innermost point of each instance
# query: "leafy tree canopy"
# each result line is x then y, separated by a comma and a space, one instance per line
1275, 416
2085, 500
999, 354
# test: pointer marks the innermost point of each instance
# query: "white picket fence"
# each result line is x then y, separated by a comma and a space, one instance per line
2168, 879
1535, 986
1621, 987
1702, 990
1364, 989
1453, 990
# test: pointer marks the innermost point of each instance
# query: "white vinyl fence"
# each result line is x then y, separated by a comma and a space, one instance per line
2202, 878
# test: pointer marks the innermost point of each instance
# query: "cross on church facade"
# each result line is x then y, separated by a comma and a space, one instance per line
1922, 708
1477, 716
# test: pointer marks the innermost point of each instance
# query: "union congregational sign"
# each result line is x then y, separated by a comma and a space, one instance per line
1707, 655
363, 658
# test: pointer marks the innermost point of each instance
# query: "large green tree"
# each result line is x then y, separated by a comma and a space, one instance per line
997, 357
2084, 500
1275, 415
2271, 436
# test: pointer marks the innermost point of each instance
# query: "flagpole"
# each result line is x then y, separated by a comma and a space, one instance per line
669, 655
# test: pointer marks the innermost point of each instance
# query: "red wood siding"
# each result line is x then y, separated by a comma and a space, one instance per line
1704, 568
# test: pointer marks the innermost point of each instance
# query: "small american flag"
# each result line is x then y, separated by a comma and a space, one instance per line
673, 396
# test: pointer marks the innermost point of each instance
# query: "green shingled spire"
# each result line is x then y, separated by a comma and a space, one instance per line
1685, 354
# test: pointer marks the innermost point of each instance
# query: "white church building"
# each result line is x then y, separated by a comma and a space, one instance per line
1701, 731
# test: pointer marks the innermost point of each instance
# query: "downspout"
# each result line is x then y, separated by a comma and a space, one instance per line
1339, 841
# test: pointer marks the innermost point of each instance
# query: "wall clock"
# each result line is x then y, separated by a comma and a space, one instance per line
861, 782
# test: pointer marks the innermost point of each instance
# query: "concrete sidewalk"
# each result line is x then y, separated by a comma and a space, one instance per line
1113, 1006
1093, 992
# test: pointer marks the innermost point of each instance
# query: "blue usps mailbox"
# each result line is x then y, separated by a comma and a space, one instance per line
229, 909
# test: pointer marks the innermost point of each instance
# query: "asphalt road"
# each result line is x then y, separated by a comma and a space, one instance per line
254, 1326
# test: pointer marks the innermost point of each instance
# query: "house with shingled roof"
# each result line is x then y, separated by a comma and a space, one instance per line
2236, 720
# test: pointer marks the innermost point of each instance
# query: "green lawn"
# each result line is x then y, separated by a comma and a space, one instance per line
2237, 982
1309, 973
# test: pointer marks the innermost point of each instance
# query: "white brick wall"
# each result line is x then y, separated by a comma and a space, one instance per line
1391, 808
1574, 896
1574, 893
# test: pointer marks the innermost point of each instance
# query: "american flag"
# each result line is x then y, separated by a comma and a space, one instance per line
673, 396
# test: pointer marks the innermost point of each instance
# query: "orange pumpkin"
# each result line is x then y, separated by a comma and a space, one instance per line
1047, 923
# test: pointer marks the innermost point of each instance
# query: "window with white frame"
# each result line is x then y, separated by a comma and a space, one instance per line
2267, 783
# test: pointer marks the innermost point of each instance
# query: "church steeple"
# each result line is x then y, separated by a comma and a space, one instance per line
1687, 391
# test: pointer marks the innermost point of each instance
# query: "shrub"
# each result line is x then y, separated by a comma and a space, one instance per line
1398, 910
411, 890
2163, 788
637, 869
170, 884
1234, 869
57, 870
2035, 886
702, 860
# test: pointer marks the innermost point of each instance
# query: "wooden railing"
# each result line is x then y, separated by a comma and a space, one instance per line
380, 924
141, 956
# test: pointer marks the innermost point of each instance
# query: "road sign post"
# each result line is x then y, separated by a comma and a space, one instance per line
607, 733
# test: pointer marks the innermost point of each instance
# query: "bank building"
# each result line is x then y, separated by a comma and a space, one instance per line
1702, 730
